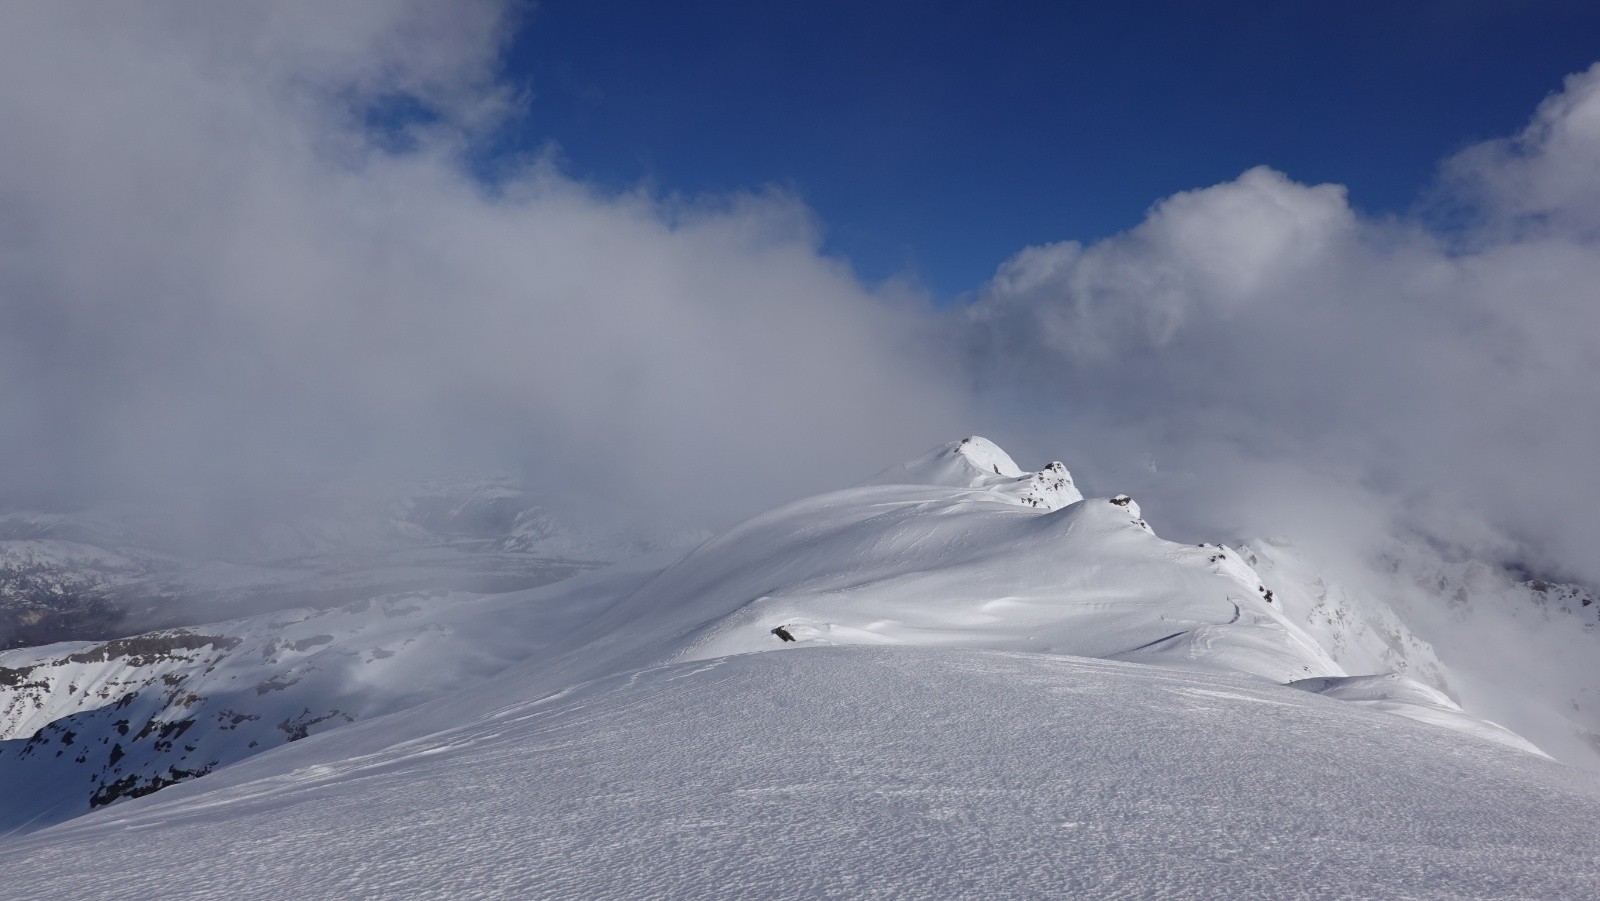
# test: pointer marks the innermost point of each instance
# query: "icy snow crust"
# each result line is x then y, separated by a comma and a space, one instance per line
911, 772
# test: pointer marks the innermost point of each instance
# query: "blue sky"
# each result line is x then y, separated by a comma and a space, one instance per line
937, 138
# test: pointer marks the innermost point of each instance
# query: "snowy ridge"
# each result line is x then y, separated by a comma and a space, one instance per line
980, 463
912, 565
959, 550
945, 551
1517, 649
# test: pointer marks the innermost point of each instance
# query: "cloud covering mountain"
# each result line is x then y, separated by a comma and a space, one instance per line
241, 248
1444, 361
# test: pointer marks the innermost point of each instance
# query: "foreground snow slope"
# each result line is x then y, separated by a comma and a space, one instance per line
917, 772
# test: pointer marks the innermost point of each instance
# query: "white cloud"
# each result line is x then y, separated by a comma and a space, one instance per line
1218, 251
1547, 178
215, 275
214, 272
1261, 321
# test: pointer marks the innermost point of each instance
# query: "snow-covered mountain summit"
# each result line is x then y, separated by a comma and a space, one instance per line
976, 462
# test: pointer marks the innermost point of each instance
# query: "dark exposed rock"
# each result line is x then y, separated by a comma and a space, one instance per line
18, 678
231, 719
143, 650
276, 683
131, 786
298, 728
164, 730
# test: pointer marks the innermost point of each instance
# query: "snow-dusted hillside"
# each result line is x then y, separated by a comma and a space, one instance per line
959, 549
867, 771
85, 724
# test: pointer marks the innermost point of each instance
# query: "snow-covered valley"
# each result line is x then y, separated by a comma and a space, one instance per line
955, 678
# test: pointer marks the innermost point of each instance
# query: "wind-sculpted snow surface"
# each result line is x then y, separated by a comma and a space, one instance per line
960, 548
905, 772
1396, 694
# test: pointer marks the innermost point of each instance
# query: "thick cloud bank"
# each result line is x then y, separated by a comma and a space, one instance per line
1269, 345
241, 246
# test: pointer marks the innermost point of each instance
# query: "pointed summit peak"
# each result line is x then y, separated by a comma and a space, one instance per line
969, 463
977, 462
982, 455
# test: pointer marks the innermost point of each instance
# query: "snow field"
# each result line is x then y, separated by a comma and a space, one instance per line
906, 772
